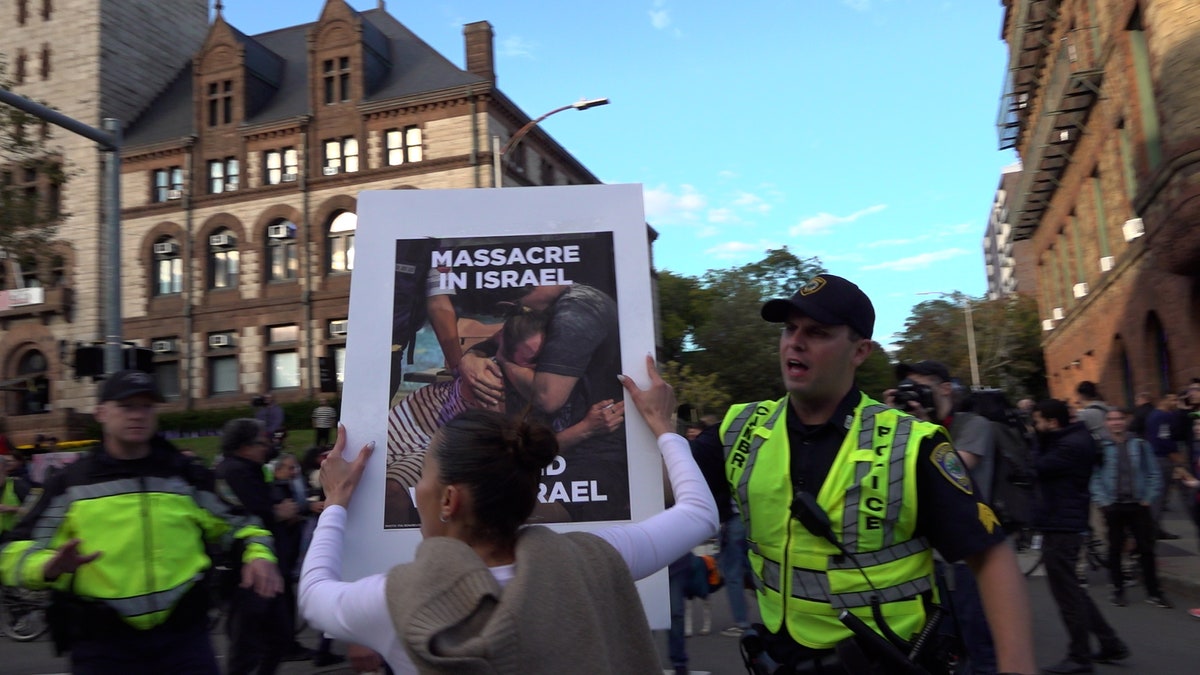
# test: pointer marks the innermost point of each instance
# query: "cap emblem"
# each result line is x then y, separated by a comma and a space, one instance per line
814, 285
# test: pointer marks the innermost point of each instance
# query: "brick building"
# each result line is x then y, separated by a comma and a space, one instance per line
242, 159
1010, 265
1102, 102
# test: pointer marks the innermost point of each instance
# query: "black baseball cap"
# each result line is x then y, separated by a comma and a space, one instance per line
126, 383
828, 299
934, 368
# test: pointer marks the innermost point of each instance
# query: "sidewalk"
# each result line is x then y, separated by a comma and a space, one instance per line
1179, 559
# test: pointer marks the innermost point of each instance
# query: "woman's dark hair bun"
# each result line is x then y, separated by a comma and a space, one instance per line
533, 445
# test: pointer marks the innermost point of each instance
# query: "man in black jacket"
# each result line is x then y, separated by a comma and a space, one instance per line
1063, 463
259, 628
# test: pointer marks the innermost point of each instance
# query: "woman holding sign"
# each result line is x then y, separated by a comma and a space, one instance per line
485, 591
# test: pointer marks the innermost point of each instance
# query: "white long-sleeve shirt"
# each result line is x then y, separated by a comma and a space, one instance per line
357, 611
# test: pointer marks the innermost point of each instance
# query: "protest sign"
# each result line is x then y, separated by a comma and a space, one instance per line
552, 280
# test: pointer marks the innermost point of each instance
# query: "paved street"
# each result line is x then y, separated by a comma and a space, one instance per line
1163, 641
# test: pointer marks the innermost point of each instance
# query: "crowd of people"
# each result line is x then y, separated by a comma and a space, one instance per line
829, 504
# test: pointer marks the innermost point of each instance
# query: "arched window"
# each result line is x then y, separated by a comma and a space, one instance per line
1162, 354
282, 263
341, 241
36, 395
222, 260
168, 266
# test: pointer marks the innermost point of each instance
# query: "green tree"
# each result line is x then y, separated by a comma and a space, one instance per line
31, 177
683, 305
739, 347
1007, 342
700, 391
877, 373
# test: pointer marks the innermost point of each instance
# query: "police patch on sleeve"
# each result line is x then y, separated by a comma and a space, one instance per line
950, 464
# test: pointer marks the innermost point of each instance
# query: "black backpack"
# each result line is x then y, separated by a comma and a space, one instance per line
1012, 477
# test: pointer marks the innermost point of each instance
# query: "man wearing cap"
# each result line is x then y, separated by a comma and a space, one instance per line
121, 535
975, 444
884, 479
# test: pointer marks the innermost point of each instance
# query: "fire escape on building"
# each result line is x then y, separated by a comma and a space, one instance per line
1069, 93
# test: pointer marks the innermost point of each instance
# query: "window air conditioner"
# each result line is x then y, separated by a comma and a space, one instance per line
173, 195
220, 241
3, 254
231, 186
338, 327
1057, 314
1047, 324
330, 171
1107, 263
166, 248
220, 340
1080, 289
162, 346
1133, 228
289, 177
281, 231
1064, 135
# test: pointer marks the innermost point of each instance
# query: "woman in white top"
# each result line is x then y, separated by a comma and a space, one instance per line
485, 594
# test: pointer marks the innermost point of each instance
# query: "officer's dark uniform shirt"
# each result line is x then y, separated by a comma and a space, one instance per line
947, 514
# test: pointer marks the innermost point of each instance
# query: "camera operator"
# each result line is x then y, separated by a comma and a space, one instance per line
927, 391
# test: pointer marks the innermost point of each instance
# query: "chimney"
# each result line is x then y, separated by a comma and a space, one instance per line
481, 58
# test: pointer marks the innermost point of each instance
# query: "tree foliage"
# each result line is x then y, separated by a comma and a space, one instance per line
700, 391
30, 179
1007, 342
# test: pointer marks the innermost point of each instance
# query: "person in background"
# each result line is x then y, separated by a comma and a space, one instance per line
1124, 486
13, 491
1166, 433
1063, 465
1143, 406
324, 419
270, 414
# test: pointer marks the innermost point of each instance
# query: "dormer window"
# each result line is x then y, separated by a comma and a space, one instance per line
223, 175
336, 74
220, 103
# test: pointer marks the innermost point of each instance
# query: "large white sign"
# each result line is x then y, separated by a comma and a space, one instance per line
556, 277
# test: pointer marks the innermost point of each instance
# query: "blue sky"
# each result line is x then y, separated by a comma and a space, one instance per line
858, 131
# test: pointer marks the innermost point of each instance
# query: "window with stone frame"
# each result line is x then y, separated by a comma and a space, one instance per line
283, 264
168, 266
280, 166
47, 9
166, 376
223, 175
21, 64
44, 70
335, 75
283, 359
220, 103
223, 260
403, 145
167, 184
340, 155
22, 12
341, 241
223, 374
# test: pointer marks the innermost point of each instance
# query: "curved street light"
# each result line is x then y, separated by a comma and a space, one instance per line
498, 153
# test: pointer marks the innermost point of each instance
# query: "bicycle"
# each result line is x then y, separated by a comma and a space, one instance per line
1028, 546
23, 613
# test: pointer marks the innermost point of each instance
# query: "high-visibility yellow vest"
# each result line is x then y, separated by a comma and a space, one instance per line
8, 497
870, 495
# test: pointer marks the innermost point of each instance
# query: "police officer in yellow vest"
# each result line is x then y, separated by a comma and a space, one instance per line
891, 485
121, 534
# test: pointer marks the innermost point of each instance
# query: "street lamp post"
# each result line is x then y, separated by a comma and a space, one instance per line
498, 152
964, 301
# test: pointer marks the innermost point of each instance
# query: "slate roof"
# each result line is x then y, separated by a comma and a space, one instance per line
399, 64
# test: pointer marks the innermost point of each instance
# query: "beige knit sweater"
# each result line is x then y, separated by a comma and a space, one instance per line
570, 608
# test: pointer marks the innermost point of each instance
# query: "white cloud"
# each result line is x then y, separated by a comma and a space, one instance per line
722, 215
727, 174
881, 243
664, 206
516, 46
737, 250
708, 231
751, 202
917, 262
823, 222
660, 16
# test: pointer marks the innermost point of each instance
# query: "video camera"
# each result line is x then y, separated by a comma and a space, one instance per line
911, 390
258, 402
